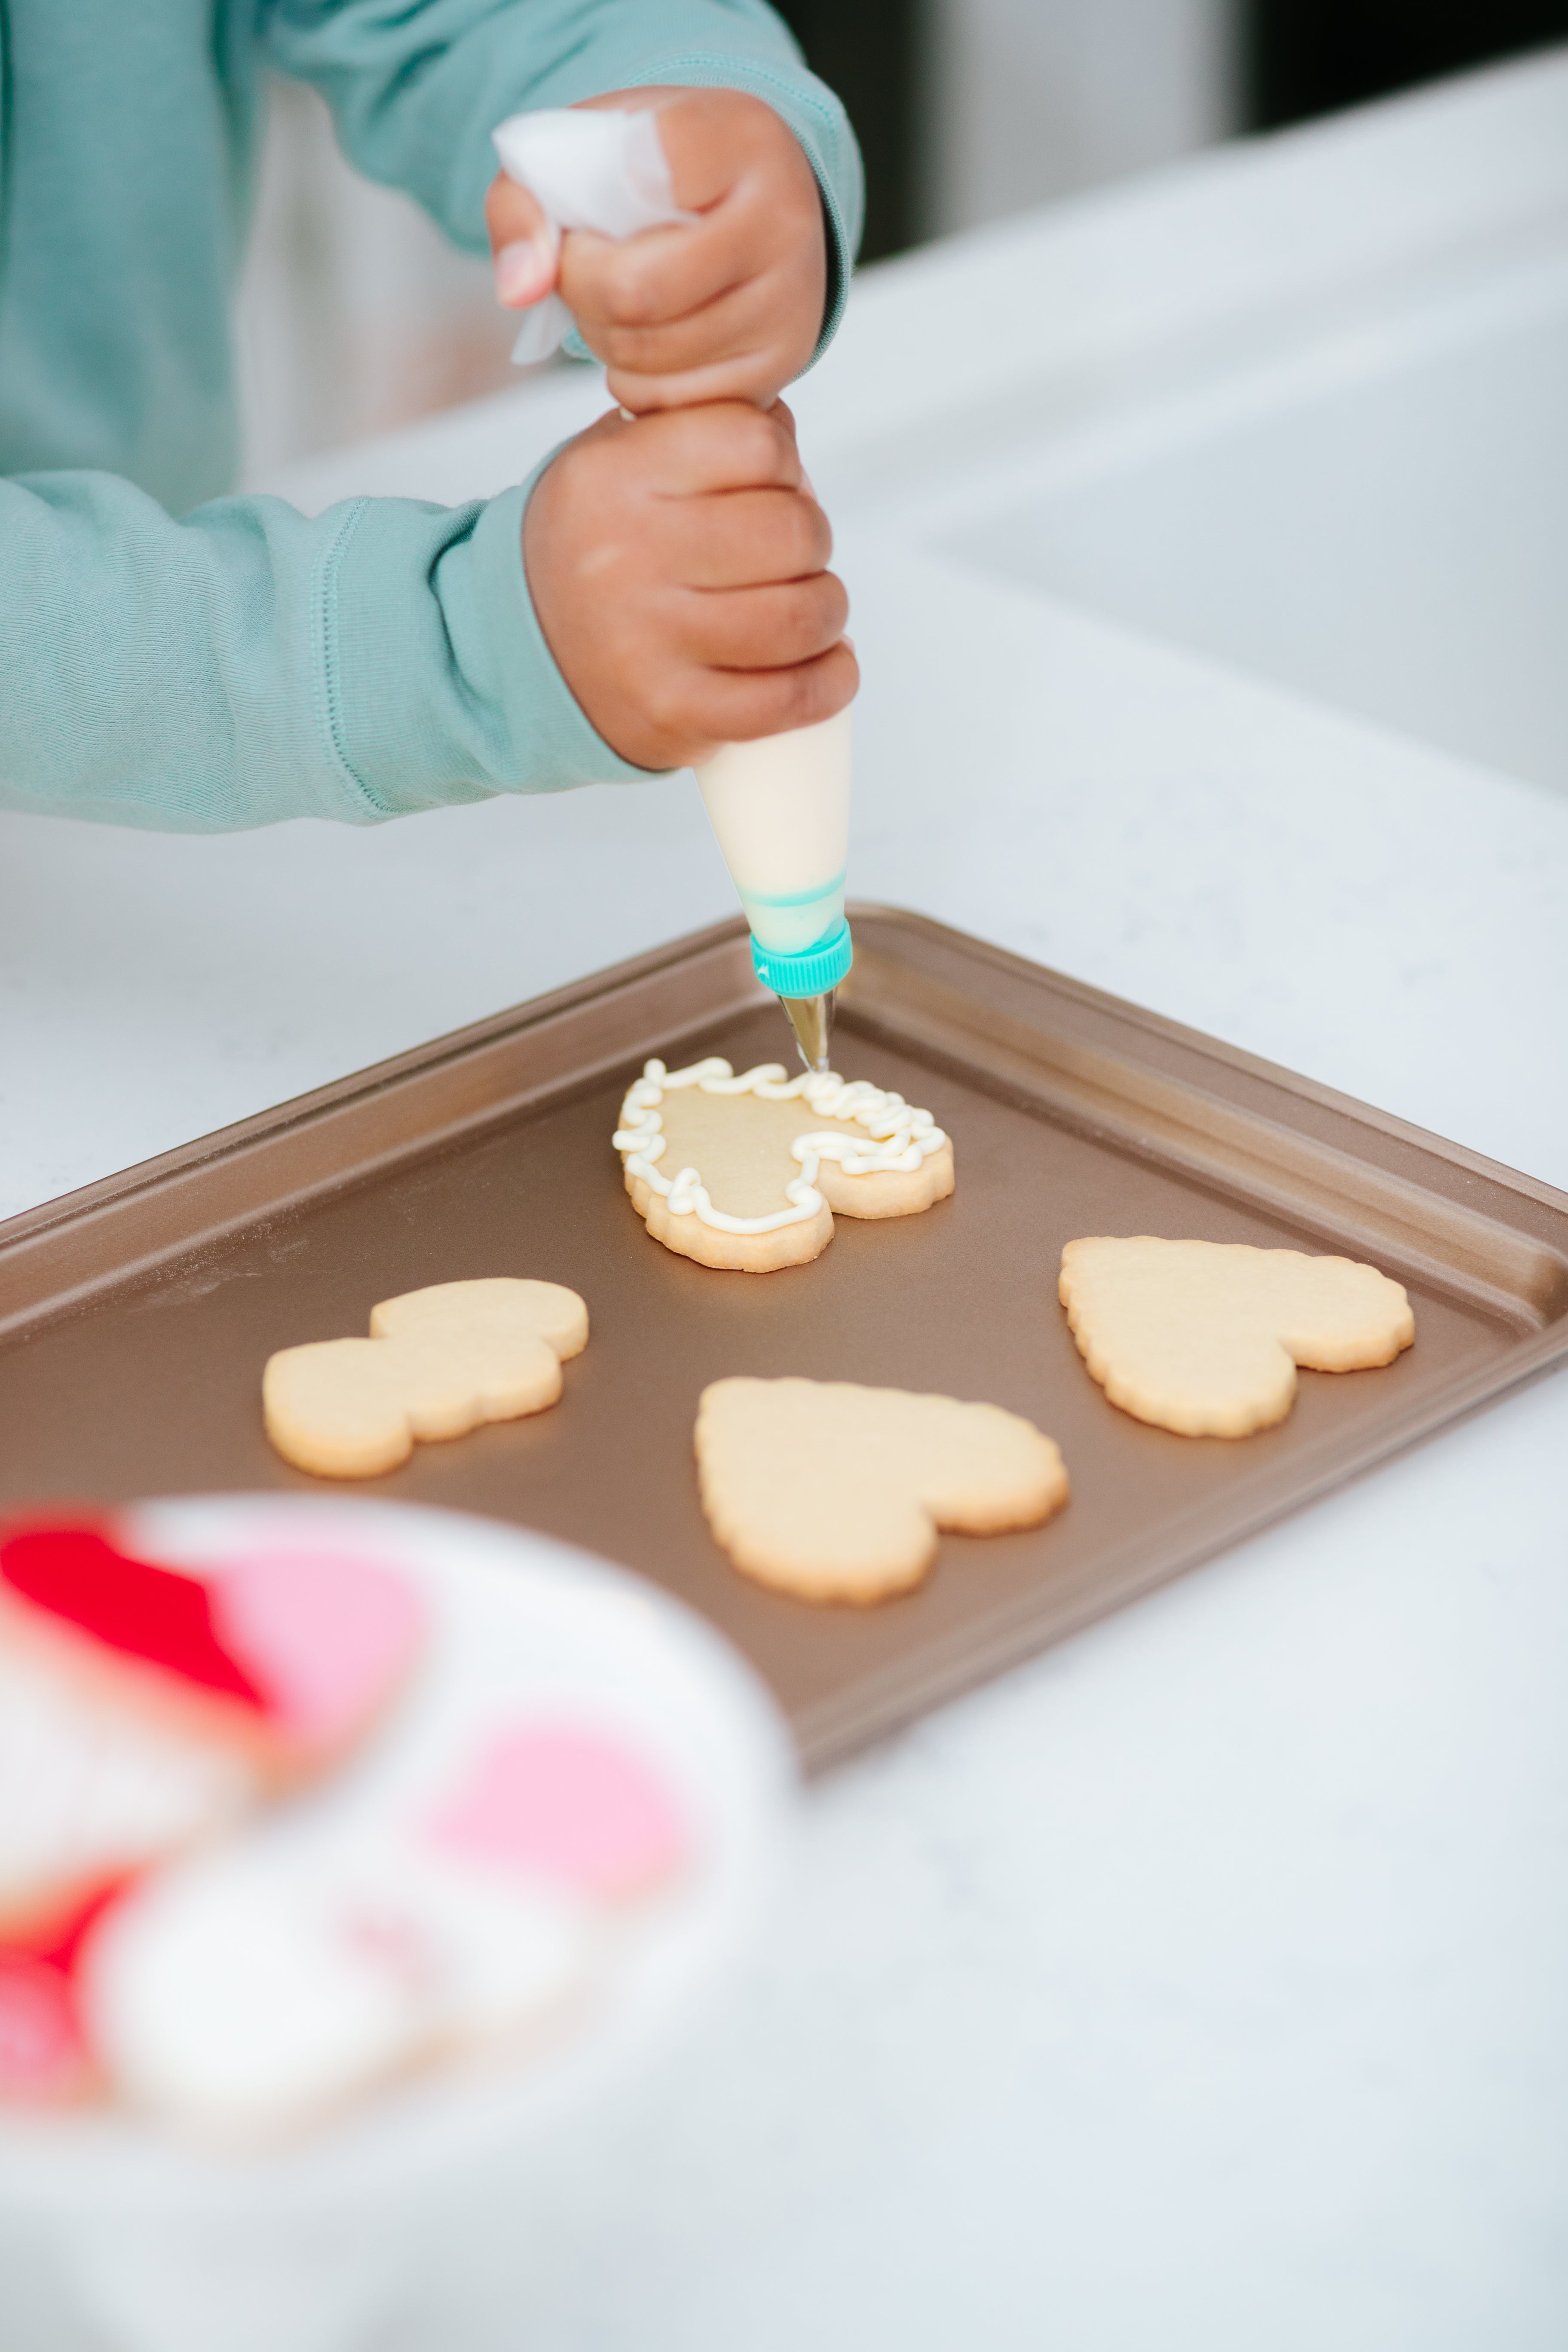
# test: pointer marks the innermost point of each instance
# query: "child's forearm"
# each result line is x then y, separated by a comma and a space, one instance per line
193, 676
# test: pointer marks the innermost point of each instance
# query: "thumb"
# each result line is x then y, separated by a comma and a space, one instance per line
524, 243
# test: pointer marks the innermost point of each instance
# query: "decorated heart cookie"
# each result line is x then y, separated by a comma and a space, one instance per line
249, 1993
1204, 1338
746, 1172
438, 1363
833, 1492
281, 1658
144, 1708
247, 1997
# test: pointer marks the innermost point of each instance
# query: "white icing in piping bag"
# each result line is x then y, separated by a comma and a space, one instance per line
778, 808
780, 811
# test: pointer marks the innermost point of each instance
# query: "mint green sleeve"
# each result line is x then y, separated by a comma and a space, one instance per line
243, 663
416, 90
246, 665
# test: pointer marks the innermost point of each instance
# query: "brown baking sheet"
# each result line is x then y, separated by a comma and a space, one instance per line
135, 1316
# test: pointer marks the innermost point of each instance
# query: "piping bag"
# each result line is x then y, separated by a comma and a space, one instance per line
779, 807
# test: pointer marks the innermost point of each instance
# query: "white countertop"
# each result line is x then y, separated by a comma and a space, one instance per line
1202, 1983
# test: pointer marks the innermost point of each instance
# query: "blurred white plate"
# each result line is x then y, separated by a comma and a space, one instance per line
177, 2248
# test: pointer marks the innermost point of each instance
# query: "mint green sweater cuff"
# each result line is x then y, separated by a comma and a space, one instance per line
453, 694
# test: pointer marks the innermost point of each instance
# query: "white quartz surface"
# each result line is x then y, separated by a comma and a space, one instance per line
1199, 1986
1202, 1984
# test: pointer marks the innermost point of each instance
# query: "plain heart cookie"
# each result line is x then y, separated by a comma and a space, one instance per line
745, 1173
437, 1364
833, 1492
1204, 1338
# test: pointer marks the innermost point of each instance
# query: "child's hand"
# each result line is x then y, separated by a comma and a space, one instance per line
729, 308
677, 568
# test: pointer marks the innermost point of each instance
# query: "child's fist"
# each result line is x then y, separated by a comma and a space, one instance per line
728, 308
678, 565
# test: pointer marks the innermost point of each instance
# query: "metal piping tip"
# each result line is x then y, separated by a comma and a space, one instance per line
811, 1018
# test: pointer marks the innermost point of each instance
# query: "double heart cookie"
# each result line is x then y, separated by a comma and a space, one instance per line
1204, 1338
834, 1491
745, 1173
438, 1363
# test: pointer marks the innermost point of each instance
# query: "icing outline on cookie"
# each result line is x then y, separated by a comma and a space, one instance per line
905, 1137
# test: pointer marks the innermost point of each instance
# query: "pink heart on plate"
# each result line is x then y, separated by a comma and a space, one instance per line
325, 1635
569, 1805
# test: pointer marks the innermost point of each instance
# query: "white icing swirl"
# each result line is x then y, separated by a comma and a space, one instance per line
901, 1136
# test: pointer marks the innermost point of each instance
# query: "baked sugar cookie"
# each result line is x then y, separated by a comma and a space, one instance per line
1204, 1338
833, 1492
438, 1363
745, 1173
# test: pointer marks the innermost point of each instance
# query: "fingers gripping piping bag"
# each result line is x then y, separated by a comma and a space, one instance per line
778, 808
